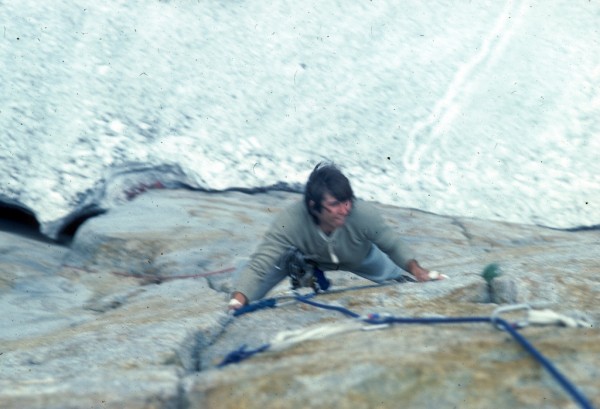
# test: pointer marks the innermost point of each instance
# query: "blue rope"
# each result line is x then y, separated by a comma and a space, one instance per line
376, 319
565, 383
242, 353
343, 310
266, 303
272, 302
255, 306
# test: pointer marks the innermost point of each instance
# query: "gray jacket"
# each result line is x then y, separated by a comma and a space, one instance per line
344, 249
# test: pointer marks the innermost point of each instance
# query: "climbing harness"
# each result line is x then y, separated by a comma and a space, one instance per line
303, 272
289, 338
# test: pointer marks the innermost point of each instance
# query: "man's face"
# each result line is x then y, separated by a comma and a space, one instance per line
333, 213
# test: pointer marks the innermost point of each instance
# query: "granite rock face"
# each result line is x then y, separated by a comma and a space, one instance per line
132, 314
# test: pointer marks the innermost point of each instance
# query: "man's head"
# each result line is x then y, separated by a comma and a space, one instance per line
328, 195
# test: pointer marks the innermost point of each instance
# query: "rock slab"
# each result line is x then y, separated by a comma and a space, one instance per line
132, 314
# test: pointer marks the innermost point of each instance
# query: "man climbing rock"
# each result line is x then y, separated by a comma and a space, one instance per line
329, 230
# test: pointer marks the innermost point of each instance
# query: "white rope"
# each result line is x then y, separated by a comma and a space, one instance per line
286, 339
549, 317
541, 317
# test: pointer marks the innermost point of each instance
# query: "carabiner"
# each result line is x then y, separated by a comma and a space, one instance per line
515, 307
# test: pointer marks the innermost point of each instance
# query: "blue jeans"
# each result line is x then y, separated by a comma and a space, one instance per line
378, 267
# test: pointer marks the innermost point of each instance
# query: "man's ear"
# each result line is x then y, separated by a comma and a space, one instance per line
311, 206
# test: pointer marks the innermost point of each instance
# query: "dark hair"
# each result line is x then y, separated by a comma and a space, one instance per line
326, 178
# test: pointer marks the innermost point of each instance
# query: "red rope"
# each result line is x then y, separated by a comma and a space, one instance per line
154, 277
165, 278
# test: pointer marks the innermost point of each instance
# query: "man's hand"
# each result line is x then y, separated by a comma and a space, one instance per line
237, 301
416, 270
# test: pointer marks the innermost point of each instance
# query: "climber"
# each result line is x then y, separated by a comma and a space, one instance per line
330, 230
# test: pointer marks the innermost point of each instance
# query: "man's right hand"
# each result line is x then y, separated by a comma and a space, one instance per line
237, 301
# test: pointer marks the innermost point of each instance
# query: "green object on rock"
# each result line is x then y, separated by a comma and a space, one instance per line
490, 272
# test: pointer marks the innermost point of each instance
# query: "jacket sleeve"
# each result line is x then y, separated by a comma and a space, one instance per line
260, 274
383, 236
